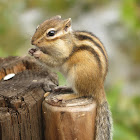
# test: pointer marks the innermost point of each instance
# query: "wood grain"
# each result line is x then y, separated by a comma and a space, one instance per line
72, 120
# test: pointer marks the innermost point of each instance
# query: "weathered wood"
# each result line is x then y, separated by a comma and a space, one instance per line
69, 120
21, 98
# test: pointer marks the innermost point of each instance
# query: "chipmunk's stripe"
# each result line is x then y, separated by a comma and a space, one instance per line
89, 34
87, 48
85, 37
96, 39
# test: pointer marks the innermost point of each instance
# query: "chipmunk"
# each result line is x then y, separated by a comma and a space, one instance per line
82, 59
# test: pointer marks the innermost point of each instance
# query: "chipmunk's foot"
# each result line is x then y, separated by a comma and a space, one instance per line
63, 89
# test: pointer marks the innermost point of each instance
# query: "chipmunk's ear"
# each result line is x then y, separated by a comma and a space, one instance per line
67, 24
56, 17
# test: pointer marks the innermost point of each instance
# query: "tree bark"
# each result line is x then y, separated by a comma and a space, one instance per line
21, 98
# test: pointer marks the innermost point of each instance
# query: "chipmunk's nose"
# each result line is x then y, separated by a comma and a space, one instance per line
32, 41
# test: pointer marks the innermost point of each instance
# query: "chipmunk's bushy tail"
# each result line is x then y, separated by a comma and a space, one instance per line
103, 122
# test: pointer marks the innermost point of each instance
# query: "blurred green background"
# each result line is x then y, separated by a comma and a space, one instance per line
116, 23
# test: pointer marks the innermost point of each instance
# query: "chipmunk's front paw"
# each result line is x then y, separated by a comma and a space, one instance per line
34, 52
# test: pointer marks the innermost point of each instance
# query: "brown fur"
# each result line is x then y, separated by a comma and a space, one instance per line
85, 72
82, 59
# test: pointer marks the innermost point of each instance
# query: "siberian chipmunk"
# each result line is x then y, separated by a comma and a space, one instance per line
82, 59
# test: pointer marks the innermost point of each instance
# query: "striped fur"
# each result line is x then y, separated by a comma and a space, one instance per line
83, 38
87, 48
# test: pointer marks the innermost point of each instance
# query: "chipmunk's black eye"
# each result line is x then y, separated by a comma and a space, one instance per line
51, 33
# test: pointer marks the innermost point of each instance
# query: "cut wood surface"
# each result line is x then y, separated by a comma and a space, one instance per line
21, 98
69, 120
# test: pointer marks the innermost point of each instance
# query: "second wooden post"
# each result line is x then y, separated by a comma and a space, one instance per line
74, 120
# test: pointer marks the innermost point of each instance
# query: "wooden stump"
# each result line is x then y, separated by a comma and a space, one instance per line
21, 98
70, 120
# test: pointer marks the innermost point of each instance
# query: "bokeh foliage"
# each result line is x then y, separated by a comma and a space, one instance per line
131, 14
125, 112
10, 37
